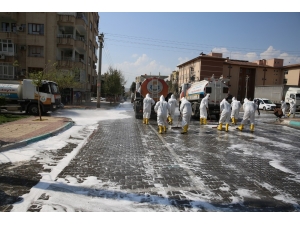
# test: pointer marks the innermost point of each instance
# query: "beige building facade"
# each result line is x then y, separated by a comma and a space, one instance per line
35, 39
242, 75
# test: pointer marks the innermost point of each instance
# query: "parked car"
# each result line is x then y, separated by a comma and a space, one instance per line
266, 104
102, 99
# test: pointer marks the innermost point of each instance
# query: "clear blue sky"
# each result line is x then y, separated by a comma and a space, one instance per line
144, 42
156, 36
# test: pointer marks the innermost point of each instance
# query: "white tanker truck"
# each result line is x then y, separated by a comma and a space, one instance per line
23, 96
196, 91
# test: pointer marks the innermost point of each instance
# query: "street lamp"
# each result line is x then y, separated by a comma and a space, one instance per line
247, 78
264, 76
101, 40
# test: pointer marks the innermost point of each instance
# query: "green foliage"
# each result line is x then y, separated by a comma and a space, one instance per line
113, 82
133, 87
5, 118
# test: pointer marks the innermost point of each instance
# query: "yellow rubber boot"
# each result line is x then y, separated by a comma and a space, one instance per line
160, 129
165, 128
220, 126
241, 127
289, 115
147, 121
184, 130
252, 127
201, 121
233, 120
226, 127
204, 121
144, 120
171, 120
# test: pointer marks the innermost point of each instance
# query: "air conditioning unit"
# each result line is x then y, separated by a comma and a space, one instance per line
2, 56
23, 47
19, 28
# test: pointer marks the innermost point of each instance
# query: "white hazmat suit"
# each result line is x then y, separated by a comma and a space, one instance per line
249, 113
292, 108
235, 110
162, 109
186, 113
147, 104
283, 107
203, 109
225, 109
173, 103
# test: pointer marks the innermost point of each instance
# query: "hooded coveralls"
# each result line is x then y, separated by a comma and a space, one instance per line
235, 109
283, 107
186, 112
225, 109
162, 109
147, 103
173, 103
203, 109
249, 113
292, 108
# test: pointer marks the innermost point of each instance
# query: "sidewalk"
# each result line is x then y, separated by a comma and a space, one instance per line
25, 131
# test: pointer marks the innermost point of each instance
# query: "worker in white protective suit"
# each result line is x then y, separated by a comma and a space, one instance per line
173, 103
147, 104
283, 107
225, 109
162, 109
203, 109
292, 108
249, 113
186, 113
235, 110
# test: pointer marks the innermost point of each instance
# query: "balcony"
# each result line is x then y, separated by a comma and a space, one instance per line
70, 62
9, 16
66, 20
82, 17
80, 44
65, 39
81, 23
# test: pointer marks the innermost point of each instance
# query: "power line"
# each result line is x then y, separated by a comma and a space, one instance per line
185, 43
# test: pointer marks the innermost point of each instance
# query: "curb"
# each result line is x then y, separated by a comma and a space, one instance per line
35, 139
292, 123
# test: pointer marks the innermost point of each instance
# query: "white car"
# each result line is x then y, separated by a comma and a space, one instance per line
266, 104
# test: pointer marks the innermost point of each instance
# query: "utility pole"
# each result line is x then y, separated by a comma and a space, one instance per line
101, 40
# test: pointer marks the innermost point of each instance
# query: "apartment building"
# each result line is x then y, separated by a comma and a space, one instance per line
242, 75
36, 38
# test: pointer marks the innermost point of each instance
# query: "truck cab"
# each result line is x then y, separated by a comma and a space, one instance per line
293, 94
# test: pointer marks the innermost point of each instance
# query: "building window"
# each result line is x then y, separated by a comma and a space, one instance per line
6, 46
34, 28
6, 71
35, 51
90, 44
91, 26
89, 61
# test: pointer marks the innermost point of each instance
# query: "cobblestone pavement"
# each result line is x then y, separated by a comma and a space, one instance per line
204, 170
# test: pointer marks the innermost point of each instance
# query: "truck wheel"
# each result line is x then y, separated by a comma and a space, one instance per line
33, 109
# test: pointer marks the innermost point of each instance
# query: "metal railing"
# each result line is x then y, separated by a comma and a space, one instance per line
65, 36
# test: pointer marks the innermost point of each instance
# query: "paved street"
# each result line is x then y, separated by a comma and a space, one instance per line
204, 170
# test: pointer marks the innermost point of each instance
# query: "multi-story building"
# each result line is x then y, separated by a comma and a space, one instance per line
243, 75
34, 39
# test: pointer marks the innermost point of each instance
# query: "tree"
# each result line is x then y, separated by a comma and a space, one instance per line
133, 87
113, 82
